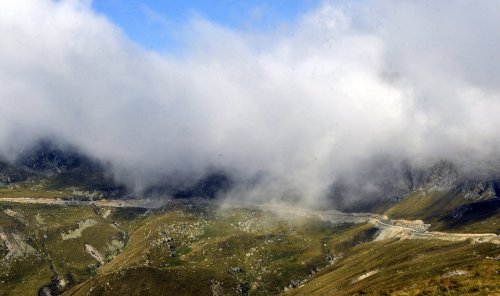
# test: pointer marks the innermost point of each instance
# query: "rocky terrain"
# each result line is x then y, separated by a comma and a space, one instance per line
197, 247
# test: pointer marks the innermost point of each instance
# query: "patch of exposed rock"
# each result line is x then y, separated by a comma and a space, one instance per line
78, 231
57, 286
15, 245
454, 273
94, 253
364, 276
217, 289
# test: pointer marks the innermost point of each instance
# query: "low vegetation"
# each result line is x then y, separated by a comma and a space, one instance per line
449, 212
411, 267
198, 249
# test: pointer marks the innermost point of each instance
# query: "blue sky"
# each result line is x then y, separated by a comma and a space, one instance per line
154, 23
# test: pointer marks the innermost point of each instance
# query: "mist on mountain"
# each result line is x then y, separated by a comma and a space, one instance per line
341, 105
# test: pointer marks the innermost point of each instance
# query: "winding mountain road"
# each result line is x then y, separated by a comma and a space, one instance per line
388, 228
402, 229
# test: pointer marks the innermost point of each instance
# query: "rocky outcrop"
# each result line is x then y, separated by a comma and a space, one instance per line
381, 184
15, 245
61, 167
94, 253
217, 289
75, 233
57, 286
476, 211
12, 174
66, 167
48, 158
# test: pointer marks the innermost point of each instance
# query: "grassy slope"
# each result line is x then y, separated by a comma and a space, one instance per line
31, 189
428, 207
57, 186
433, 207
42, 226
272, 252
489, 225
144, 280
410, 267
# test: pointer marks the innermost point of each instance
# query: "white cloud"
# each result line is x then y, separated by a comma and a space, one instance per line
304, 107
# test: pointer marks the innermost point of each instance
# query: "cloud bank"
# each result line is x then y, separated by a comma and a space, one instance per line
295, 109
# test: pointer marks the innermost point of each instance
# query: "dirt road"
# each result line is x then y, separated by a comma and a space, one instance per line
115, 203
403, 229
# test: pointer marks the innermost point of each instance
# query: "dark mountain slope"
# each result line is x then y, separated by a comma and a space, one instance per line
63, 167
58, 168
443, 194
